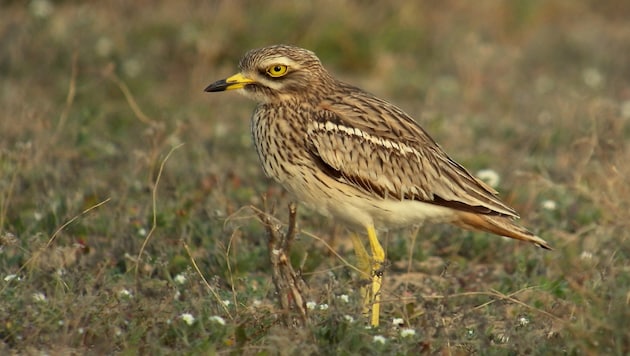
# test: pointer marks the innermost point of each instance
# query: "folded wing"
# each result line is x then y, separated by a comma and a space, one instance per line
393, 160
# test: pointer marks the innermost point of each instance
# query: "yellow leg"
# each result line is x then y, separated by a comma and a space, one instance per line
365, 266
378, 258
372, 269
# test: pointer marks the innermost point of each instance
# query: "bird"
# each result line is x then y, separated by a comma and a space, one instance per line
358, 158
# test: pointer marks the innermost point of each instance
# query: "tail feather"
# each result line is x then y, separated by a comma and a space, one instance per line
499, 225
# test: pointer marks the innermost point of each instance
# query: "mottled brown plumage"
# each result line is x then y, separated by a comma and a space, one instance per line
356, 157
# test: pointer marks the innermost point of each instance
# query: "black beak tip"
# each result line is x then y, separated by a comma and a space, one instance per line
220, 85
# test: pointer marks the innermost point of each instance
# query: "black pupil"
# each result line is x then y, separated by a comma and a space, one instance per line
277, 68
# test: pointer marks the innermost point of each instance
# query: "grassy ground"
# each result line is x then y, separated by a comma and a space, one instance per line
117, 238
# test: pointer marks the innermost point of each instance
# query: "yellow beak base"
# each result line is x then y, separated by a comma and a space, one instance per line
237, 81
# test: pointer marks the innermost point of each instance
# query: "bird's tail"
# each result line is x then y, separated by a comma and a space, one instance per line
499, 225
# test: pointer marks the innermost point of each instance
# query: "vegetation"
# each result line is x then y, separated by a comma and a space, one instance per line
129, 197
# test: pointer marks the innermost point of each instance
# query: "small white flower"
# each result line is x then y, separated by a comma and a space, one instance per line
80, 331
323, 306
344, 298
217, 319
177, 295
132, 67
585, 255
41, 8
256, 303
11, 277
180, 278
489, 176
187, 318
226, 302
311, 305
142, 231
60, 322
125, 293
379, 339
39, 297
592, 77
522, 321
549, 205
398, 321
104, 46
406, 332
118, 332
349, 318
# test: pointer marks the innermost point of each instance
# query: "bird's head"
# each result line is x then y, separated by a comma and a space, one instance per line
275, 73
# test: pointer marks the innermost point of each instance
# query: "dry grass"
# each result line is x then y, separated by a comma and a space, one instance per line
97, 255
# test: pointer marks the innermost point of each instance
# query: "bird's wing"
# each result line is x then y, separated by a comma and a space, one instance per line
372, 145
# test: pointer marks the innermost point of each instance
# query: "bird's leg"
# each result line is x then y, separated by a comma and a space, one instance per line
378, 258
365, 266
372, 268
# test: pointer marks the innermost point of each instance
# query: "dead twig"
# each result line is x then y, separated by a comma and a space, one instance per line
154, 211
290, 287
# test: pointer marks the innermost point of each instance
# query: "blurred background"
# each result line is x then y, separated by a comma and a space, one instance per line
532, 95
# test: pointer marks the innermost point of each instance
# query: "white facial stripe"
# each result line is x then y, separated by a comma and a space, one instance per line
273, 85
379, 141
282, 60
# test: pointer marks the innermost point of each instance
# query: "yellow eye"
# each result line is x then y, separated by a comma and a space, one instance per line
277, 70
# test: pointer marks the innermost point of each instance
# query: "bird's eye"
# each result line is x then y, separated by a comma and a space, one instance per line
277, 70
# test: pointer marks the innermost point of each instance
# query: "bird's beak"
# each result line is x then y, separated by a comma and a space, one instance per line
237, 81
